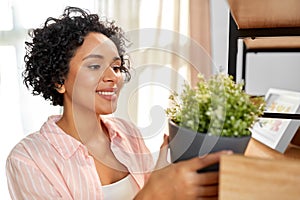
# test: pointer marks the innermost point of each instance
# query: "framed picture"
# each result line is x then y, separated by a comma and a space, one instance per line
277, 132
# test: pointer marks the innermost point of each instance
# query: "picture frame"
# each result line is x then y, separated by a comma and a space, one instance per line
277, 132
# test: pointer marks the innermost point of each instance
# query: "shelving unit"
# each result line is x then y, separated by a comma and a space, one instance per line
264, 26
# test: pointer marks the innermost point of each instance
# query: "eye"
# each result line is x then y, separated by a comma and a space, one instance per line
94, 67
116, 68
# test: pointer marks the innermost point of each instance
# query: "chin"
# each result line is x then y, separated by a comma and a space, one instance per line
105, 112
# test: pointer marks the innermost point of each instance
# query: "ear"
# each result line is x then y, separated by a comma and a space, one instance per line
60, 88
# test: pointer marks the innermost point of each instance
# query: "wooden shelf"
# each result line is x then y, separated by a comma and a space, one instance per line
262, 173
258, 43
265, 13
251, 178
259, 150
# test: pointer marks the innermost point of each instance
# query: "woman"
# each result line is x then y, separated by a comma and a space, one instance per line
78, 62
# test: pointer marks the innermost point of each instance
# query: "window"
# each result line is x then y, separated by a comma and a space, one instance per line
21, 113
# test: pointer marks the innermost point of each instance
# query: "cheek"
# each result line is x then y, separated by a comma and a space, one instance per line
120, 82
81, 85
86, 80
83, 89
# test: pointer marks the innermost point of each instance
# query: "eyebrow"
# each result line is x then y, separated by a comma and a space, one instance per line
100, 56
93, 56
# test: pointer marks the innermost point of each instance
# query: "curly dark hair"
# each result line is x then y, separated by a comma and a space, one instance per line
48, 55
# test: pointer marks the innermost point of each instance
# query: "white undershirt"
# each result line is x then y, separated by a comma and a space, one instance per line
124, 189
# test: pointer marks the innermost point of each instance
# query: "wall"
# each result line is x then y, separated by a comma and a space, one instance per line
264, 70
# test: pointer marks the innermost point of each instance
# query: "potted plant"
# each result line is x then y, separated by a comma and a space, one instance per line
215, 115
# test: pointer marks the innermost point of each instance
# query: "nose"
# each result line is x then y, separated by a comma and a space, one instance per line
110, 75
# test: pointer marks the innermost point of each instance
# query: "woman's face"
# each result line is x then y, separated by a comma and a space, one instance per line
94, 80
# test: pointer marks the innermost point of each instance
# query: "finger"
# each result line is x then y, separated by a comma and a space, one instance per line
208, 198
165, 142
207, 160
208, 178
208, 191
163, 154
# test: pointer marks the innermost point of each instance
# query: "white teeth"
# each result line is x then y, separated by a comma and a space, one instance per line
106, 93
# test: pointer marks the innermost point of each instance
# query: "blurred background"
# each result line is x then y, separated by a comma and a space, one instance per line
183, 37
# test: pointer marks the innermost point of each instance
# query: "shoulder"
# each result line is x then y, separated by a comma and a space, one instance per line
31, 143
31, 167
24, 153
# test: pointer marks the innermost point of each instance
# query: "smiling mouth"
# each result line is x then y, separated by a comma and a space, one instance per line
104, 93
108, 95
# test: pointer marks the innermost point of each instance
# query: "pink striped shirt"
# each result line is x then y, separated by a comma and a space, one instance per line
50, 164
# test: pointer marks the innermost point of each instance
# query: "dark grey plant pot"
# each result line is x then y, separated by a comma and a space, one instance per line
185, 144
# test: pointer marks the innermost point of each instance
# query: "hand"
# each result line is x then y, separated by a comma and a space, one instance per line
181, 180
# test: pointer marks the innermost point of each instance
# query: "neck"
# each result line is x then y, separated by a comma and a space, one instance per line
83, 126
87, 127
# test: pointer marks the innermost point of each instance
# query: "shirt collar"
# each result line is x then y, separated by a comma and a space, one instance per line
61, 141
119, 132
65, 144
